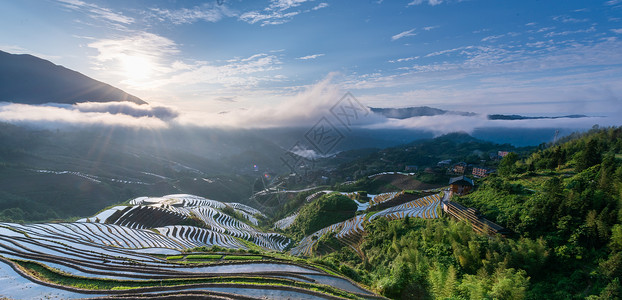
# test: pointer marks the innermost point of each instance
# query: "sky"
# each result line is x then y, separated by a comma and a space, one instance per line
275, 62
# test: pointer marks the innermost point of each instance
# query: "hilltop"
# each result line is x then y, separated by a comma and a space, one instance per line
28, 79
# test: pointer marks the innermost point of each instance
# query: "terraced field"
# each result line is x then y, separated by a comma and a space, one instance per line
45, 265
286, 222
121, 253
143, 248
220, 229
351, 231
420, 208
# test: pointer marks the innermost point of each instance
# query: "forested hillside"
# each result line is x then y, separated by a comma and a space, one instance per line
563, 204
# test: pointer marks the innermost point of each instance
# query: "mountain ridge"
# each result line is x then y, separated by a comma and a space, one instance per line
28, 79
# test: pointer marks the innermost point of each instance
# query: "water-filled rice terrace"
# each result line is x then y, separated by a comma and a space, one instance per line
144, 250
156, 247
351, 231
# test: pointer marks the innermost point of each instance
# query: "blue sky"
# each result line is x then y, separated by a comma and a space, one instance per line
527, 57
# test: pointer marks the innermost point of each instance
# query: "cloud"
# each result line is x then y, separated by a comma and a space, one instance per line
285, 4
618, 30
312, 105
129, 109
403, 34
613, 2
568, 19
311, 56
320, 6
430, 2
303, 151
303, 109
570, 32
208, 12
137, 58
279, 12
269, 18
443, 124
55, 116
116, 19
428, 28
240, 72
574, 74
447, 51
404, 59
543, 29
225, 99
492, 37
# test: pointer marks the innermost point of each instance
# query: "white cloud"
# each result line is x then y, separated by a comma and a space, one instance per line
569, 32
285, 4
428, 28
430, 2
492, 37
613, 2
240, 72
71, 115
565, 71
207, 12
97, 12
568, 19
403, 34
304, 108
442, 124
277, 12
320, 6
543, 29
404, 59
442, 52
137, 58
303, 151
311, 56
127, 108
269, 18
618, 30
308, 107
225, 99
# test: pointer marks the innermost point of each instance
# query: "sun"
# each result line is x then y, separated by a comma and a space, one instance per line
137, 68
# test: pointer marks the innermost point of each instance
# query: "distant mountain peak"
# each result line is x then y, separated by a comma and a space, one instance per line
416, 111
519, 117
28, 79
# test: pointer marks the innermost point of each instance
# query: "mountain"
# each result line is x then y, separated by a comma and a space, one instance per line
419, 111
519, 117
31, 80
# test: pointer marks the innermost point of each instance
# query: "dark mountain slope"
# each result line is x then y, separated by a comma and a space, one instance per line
31, 80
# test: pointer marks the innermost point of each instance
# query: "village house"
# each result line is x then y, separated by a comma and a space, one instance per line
461, 185
459, 168
502, 153
481, 172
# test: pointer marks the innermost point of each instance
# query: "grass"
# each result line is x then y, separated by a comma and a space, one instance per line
174, 257
243, 257
52, 275
203, 256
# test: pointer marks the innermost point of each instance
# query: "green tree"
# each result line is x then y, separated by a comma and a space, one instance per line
327, 210
589, 156
507, 166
